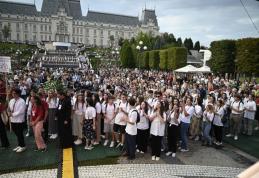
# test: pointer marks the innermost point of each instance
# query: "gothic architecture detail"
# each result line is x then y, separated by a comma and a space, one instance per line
62, 21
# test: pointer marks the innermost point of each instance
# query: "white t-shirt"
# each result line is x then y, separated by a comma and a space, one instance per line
238, 105
98, 108
190, 111
121, 115
52, 103
157, 127
109, 112
208, 117
131, 129
90, 113
172, 120
17, 107
197, 111
218, 117
143, 124
251, 105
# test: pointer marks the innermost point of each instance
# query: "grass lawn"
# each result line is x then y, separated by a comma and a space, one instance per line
31, 160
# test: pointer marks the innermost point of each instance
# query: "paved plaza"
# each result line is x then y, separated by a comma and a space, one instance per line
199, 162
139, 170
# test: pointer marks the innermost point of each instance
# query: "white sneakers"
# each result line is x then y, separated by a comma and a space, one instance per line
197, 138
137, 150
19, 149
168, 153
236, 137
229, 135
96, 143
112, 144
89, 147
184, 150
78, 142
53, 136
105, 142
154, 158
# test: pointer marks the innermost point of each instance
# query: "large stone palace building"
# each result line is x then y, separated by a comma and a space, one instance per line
62, 21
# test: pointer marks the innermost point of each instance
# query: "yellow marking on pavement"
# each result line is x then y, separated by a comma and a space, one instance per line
67, 166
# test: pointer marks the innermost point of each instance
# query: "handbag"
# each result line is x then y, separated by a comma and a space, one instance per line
4, 117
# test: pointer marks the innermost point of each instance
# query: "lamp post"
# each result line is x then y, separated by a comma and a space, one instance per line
141, 47
18, 53
116, 53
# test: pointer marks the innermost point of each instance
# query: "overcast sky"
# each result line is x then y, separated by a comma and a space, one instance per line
203, 20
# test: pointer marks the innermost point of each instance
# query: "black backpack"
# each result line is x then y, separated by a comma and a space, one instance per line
138, 116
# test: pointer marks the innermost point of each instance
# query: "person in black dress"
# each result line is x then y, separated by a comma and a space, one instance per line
3, 135
64, 120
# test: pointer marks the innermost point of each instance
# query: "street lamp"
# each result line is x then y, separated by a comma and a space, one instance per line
115, 53
18, 53
141, 47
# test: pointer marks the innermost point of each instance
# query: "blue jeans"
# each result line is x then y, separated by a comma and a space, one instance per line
206, 132
184, 133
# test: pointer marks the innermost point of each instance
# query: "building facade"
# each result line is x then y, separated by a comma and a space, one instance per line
62, 21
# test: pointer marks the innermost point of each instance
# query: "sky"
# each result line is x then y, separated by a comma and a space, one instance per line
203, 20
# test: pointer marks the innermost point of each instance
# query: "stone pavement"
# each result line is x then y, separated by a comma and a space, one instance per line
139, 170
199, 155
199, 162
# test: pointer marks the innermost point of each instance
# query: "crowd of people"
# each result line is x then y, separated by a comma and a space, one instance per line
130, 109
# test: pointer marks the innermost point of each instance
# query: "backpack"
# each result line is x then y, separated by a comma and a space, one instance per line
138, 115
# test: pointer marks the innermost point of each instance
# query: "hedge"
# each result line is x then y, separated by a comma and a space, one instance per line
154, 59
163, 55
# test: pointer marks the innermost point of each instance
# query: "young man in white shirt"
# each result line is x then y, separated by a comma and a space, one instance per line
249, 116
109, 112
119, 123
186, 113
17, 108
237, 108
131, 129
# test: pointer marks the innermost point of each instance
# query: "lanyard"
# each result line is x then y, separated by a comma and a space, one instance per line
14, 105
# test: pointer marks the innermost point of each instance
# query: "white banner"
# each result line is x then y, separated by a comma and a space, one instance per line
5, 64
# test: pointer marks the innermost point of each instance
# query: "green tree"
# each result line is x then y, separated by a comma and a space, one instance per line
179, 42
247, 56
188, 43
6, 32
127, 55
172, 38
197, 46
223, 56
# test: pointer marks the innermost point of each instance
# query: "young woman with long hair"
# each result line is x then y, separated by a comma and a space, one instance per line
157, 130
52, 102
173, 128
78, 113
208, 116
143, 128
217, 122
98, 108
37, 119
